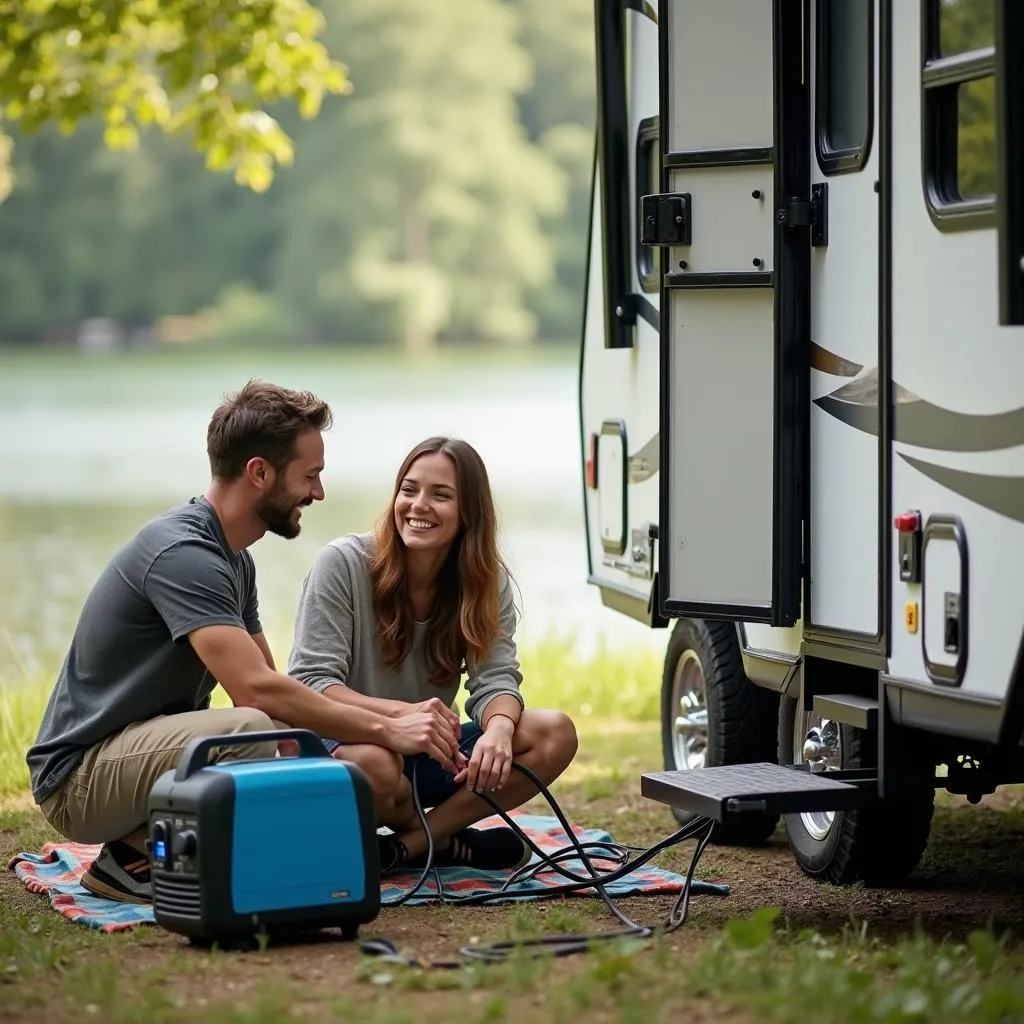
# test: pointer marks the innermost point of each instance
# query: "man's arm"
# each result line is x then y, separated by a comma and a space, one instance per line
260, 640
235, 660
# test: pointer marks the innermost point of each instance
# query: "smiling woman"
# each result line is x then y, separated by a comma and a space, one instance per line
394, 618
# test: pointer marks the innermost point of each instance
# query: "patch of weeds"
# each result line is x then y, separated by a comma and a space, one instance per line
614, 962
495, 1009
524, 921
563, 921
603, 784
269, 1005
781, 974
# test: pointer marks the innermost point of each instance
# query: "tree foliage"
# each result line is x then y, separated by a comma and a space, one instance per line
966, 25
206, 67
443, 196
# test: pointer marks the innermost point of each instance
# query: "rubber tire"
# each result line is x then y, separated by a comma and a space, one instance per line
742, 717
879, 845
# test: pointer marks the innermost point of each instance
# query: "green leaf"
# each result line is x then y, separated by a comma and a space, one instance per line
121, 136
984, 948
754, 932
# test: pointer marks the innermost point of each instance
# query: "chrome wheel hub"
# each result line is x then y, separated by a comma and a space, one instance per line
819, 745
689, 702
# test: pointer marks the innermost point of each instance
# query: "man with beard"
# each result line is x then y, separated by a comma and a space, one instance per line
174, 613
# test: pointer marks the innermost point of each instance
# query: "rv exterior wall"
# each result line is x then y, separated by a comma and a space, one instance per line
951, 359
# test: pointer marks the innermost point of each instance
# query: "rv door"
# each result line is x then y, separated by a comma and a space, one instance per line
735, 221
1010, 140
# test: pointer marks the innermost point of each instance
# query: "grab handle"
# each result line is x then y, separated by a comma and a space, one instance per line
197, 754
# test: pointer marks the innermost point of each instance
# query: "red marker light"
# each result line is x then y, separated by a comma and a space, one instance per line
907, 522
592, 464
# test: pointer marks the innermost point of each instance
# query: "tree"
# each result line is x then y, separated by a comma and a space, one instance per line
429, 220
559, 112
206, 67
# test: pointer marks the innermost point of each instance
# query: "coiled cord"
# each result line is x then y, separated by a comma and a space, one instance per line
551, 945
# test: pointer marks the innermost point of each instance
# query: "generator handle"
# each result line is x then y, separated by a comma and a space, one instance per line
197, 754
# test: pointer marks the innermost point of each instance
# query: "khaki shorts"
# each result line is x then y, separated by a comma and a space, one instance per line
107, 796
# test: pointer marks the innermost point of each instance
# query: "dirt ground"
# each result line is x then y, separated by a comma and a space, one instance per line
972, 875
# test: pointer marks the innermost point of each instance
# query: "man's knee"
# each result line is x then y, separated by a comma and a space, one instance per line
238, 721
382, 767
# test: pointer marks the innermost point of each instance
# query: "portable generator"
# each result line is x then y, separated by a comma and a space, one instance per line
265, 846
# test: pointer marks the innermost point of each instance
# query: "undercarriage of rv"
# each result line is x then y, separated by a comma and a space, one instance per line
855, 787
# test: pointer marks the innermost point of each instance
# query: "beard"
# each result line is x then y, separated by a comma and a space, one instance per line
276, 511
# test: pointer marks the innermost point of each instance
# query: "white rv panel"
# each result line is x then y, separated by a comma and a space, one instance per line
731, 228
956, 374
711, 41
721, 474
721, 341
622, 384
844, 471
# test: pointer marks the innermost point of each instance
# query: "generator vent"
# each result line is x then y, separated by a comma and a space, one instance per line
177, 897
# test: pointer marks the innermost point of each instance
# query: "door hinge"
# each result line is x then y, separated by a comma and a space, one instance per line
812, 213
666, 219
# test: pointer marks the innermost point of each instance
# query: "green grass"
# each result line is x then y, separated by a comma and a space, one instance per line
610, 685
784, 974
721, 966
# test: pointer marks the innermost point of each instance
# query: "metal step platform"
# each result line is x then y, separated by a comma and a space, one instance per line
726, 792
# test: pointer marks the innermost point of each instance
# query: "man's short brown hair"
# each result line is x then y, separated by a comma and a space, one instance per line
262, 420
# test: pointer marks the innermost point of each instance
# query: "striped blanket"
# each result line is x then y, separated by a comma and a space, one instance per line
56, 870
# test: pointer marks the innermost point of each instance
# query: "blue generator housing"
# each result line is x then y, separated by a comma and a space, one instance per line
276, 845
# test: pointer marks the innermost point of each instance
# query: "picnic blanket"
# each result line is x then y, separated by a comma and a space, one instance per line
56, 870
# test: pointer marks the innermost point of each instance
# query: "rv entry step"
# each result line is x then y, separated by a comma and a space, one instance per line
726, 792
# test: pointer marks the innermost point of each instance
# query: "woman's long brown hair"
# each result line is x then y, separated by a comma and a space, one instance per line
465, 618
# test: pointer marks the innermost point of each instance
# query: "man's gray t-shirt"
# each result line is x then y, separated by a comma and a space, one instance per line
130, 659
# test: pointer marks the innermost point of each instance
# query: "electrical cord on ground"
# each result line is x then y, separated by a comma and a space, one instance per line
552, 945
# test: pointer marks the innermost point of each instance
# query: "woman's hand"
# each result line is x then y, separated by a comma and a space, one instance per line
491, 764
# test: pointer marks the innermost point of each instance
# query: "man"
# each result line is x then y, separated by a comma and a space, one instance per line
174, 613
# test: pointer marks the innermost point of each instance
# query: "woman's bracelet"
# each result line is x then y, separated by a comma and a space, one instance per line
501, 714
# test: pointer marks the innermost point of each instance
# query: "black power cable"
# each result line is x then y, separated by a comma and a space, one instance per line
552, 945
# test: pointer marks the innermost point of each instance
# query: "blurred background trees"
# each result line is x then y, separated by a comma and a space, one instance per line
444, 197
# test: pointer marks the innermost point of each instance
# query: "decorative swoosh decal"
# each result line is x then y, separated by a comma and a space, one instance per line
829, 362
1002, 494
920, 423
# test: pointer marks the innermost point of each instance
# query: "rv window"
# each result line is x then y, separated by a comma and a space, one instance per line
965, 25
976, 139
844, 93
959, 111
648, 182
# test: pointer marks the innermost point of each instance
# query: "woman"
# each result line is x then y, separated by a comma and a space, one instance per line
395, 618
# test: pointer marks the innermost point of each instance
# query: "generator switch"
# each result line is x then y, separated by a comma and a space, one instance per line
159, 844
184, 844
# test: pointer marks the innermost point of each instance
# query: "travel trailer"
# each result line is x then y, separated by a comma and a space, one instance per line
802, 406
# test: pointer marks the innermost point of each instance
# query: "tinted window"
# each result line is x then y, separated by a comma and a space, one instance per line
976, 139
844, 83
966, 25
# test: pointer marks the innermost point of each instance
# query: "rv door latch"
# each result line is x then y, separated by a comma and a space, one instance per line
812, 213
665, 219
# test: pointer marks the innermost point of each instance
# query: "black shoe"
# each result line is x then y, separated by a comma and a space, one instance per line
394, 857
485, 849
121, 873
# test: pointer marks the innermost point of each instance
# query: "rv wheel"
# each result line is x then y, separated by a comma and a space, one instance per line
712, 714
878, 845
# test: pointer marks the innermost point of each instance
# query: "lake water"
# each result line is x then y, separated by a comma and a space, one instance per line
93, 446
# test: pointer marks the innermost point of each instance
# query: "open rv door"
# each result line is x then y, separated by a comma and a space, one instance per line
735, 222
1010, 168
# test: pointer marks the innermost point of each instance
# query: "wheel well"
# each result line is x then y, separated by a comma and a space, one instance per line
820, 676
